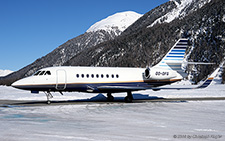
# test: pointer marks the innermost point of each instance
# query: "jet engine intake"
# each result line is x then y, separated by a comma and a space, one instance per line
147, 73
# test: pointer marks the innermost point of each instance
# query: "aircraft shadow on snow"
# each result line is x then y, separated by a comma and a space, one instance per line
100, 98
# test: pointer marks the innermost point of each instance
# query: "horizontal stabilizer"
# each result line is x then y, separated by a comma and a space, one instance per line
198, 63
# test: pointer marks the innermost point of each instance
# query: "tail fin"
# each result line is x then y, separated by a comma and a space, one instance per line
174, 58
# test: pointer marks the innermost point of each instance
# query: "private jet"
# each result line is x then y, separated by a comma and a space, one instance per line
110, 79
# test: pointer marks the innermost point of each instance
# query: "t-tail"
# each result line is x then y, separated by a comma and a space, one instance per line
174, 58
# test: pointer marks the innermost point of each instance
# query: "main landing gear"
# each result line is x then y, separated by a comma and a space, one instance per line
129, 98
110, 98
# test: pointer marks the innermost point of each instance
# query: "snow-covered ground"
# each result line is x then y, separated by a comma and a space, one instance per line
192, 120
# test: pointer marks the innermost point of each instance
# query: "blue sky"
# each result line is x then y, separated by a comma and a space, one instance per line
30, 29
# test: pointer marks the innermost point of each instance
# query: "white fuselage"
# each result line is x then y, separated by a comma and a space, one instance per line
93, 79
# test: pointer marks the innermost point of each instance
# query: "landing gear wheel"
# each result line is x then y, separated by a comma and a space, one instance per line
129, 98
110, 98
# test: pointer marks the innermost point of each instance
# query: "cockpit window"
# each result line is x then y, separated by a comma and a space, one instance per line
37, 72
42, 73
47, 73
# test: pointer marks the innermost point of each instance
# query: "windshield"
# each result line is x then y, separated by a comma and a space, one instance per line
42, 73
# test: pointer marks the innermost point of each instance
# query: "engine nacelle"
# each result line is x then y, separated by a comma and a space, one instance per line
159, 74
147, 73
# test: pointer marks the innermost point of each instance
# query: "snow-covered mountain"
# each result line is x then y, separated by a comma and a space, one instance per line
5, 72
119, 21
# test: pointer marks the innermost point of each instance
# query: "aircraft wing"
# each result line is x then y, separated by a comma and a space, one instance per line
120, 88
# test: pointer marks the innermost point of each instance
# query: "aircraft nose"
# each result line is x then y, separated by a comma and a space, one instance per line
20, 84
16, 84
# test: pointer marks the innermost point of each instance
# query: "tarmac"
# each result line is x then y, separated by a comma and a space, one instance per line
12, 103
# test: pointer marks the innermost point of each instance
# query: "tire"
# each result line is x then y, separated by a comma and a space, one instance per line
110, 98
128, 99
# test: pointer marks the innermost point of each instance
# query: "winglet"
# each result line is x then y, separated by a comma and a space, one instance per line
208, 80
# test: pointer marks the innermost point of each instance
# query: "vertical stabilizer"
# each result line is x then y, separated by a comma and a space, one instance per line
174, 58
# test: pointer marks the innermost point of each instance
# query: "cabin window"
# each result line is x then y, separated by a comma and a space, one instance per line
47, 73
102, 76
97, 75
92, 75
42, 73
82, 75
112, 76
117, 76
37, 73
77, 75
87, 75
107, 75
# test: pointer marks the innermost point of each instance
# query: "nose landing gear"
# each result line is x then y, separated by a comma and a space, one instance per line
49, 96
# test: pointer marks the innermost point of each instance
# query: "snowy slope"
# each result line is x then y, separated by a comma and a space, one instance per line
5, 72
182, 9
119, 21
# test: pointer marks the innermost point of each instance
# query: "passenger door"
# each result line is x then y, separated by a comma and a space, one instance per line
60, 79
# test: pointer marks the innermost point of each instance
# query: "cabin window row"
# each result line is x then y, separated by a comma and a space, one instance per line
97, 76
